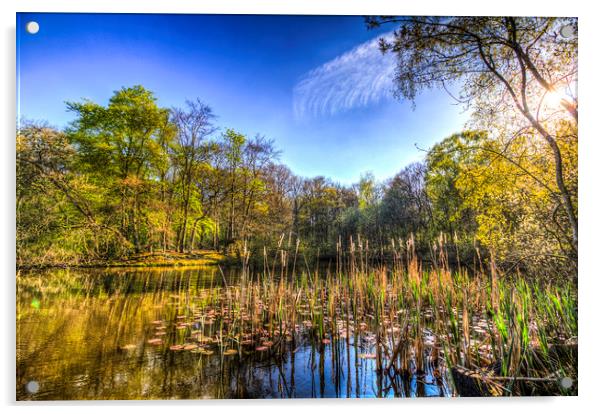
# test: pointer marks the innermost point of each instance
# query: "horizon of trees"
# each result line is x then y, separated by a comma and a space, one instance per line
132, 177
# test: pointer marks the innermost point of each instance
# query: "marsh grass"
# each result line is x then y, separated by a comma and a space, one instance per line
411, 324
508, 333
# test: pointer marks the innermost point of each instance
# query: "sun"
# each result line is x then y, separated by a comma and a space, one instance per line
555, 99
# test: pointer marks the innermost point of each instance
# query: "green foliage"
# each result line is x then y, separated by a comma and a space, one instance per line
446, 162
121, 151
502, 195
131, 177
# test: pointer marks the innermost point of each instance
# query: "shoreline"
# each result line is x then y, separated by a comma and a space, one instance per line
197, 258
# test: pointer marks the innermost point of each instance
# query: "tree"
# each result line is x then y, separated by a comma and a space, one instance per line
445, 163
507, 64
406, 208
119, 147
257, 156
233, 147
367, 191
502, 195
194, 125
56, 219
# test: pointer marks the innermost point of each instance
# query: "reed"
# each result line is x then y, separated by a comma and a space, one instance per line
409, 320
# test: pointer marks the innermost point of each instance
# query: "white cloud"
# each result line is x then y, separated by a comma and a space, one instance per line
357, 78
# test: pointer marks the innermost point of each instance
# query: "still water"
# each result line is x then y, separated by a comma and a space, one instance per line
93, 334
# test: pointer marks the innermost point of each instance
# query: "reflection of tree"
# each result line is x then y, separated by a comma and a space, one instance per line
89, 341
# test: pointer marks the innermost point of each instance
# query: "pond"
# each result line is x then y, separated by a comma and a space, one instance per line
148, 333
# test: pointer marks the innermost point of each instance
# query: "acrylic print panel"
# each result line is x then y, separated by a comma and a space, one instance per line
248, 206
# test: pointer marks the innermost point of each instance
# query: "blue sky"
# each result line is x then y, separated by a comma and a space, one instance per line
314, 84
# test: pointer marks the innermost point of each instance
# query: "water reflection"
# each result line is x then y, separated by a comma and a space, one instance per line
84, 334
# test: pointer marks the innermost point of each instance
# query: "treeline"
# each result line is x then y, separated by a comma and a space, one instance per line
132, 177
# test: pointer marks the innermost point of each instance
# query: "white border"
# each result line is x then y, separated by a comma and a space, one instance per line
590, 201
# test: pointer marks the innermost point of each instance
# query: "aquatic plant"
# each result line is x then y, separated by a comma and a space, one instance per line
516, 335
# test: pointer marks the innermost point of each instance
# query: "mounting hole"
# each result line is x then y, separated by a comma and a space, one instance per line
32, 387
566, 383
32, 27
567, 31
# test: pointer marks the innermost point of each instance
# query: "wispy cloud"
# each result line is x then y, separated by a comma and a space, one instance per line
357, 78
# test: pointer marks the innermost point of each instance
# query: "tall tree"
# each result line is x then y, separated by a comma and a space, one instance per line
233, 149
119, 147
194, 125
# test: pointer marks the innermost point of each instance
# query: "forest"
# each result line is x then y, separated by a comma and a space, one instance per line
132, 177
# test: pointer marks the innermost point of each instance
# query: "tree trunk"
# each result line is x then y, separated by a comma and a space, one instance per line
566, 197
